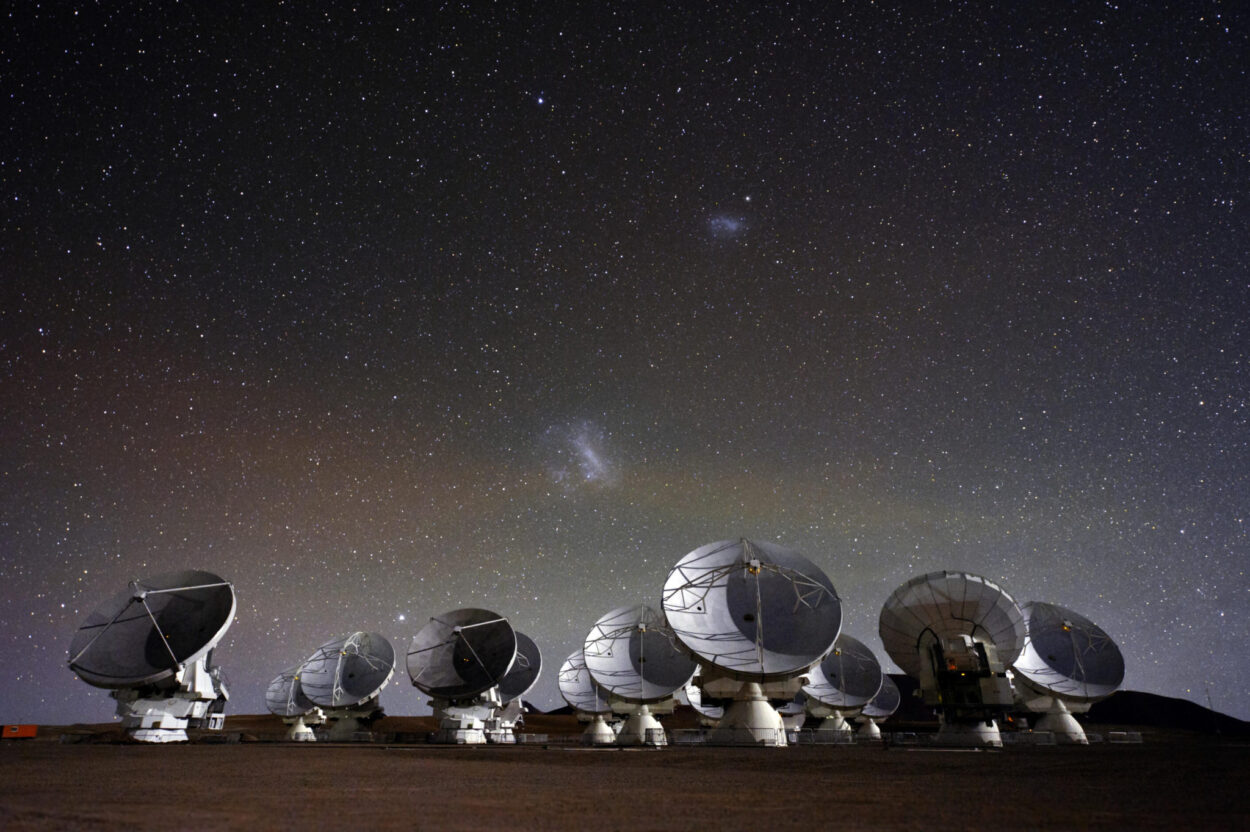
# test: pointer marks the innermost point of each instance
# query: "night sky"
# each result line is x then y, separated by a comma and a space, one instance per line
383, 312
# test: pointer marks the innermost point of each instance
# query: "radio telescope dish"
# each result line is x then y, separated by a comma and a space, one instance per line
1068, 655
956, 633
882, 706
152, 630
1067, 664
152, 645
758, 616
583, 693
947, 605
631, 653
757, 610
846, 679
461, 654
348, 672
525, 669
579, 688
284, 697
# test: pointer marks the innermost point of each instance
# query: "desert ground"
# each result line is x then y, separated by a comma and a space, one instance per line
1172, 780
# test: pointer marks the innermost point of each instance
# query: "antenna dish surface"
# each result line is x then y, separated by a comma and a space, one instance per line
949, 604
848, 677
632, 653
885, 702
462, 653
153, 629
1068, 655
756, 609
579, 688
525, 669
347, 671
285, 696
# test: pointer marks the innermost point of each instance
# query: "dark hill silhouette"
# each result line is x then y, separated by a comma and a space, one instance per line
1131, 707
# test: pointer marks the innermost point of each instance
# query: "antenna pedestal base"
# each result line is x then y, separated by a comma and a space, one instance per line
459, 733
160, 720
1060, 722
642, 728
463, 724
500, 728
197, 702
156, 727
352, 723
835, 722
868, 728
348, 729
298, 730
598, 732
749, 720
982, 734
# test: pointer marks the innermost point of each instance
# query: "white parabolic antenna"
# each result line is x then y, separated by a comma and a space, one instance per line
1068, 663
956, 632
152, 630
579, 688
846, 679
461, 659
882, 706
632, 654
284, 696
462, 653
1068, 655
948, 605
151, 645
756, 610
349, 671
583, 693
758, 616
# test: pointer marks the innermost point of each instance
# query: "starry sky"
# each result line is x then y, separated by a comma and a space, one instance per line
380, 312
